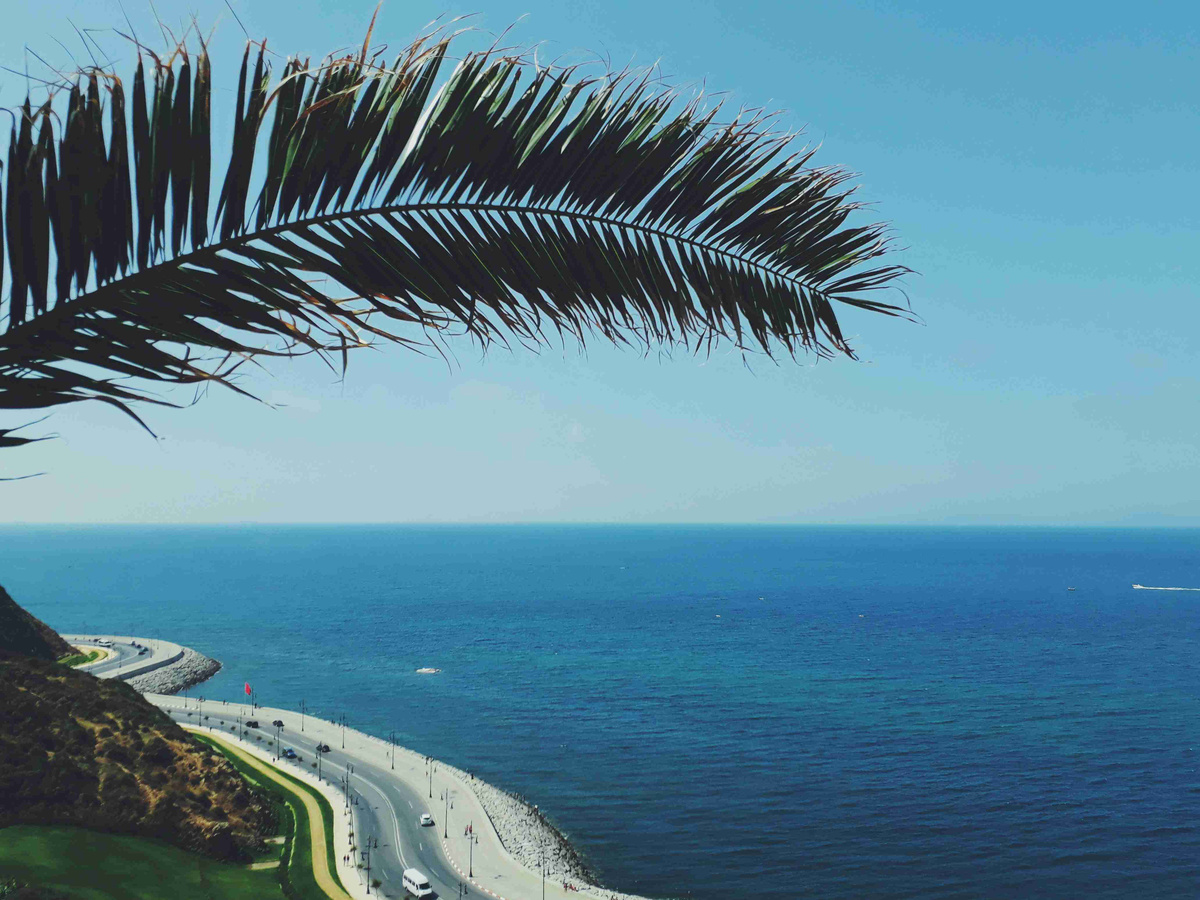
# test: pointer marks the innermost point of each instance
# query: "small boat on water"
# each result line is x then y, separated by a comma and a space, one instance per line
1070, 589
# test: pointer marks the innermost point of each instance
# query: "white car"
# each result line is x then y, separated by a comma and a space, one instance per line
416, 884
426, 819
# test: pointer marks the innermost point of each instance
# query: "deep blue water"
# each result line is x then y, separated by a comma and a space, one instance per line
724, 711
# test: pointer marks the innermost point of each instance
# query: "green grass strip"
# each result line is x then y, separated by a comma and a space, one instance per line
296, 871
79, 659
90, 865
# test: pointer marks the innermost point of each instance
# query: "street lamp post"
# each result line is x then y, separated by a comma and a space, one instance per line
367, 856
446, 818
392, 738
303, 710
471, 859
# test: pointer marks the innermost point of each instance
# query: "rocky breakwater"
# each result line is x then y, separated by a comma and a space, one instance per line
192, 668
527, 834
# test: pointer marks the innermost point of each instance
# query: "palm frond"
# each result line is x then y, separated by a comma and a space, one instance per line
504, 201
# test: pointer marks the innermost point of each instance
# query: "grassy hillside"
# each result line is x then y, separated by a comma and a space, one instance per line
85, 865
21, 633
79, 659
77, 750
299, 875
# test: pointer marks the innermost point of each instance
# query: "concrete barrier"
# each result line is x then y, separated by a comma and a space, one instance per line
134, 667
149, 667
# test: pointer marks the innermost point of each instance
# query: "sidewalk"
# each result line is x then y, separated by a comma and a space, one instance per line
496, 873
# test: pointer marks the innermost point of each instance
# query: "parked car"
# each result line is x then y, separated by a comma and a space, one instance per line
426, 819
322, 748
289, 753
253, 723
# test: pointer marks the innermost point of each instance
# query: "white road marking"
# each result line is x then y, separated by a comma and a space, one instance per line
396, 824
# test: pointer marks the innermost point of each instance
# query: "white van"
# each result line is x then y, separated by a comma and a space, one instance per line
416, 884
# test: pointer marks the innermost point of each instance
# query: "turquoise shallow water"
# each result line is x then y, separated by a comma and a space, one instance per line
724, 711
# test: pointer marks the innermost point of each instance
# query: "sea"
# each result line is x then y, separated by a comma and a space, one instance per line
722, 711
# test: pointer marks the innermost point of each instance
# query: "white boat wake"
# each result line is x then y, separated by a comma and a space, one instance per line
1143, 587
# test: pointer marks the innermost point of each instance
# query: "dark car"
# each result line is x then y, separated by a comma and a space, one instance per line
289, 753
253, 723
322, 748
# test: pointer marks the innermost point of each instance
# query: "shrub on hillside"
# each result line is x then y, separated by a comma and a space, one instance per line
77, 750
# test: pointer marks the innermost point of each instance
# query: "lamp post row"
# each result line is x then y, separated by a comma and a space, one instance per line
341, 722
345, 780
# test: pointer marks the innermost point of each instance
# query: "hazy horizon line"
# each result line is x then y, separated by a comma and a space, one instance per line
315, 523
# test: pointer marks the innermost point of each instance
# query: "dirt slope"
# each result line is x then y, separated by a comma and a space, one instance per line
78, 750
20, 632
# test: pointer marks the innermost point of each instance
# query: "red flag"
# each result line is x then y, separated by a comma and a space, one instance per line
247, 689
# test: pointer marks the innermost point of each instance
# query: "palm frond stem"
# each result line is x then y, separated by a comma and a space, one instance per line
27, 329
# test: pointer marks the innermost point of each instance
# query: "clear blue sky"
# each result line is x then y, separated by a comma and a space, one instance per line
1039, 161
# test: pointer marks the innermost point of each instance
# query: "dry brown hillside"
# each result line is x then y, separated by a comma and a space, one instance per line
78, 750
20, 632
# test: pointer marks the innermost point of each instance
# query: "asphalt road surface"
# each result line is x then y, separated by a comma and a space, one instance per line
124, 655
378, 806
382, 807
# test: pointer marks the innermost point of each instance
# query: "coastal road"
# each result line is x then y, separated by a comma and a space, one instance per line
389, 789
382, 806
392, 789
125, 660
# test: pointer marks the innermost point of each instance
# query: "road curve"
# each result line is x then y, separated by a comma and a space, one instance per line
387, 793
378, 807
126, 660
388, 790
